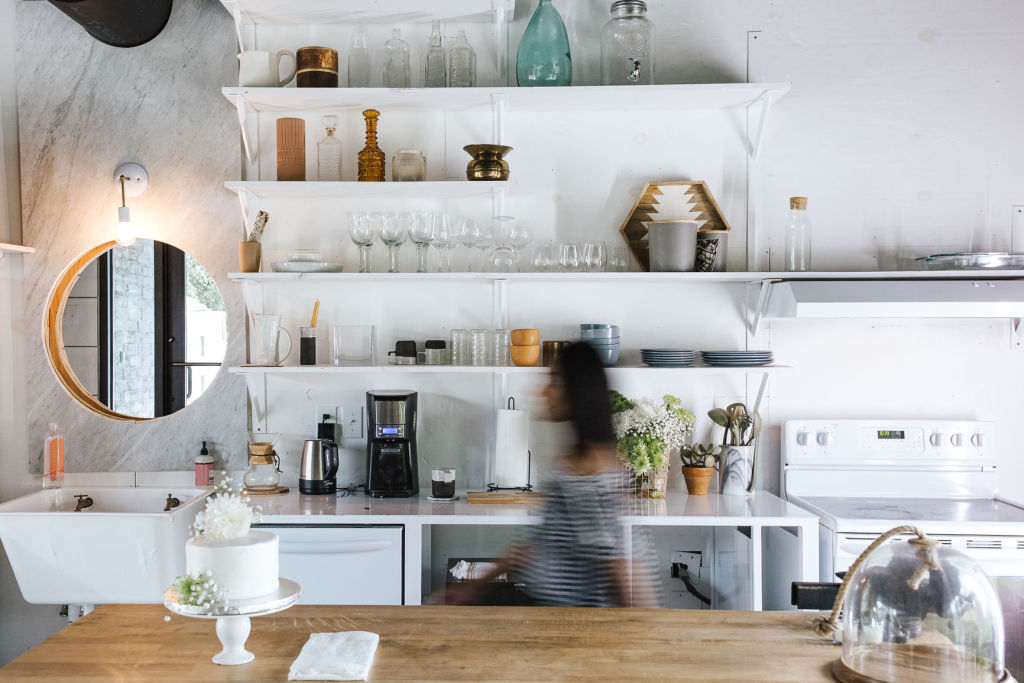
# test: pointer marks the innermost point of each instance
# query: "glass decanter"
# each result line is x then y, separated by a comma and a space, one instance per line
396, 61
461, 63
371, 158
627, 45
544, 56
328, 152
434, 59
359, 59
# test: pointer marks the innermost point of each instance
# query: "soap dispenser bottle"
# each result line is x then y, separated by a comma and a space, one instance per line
204, 467
53, 458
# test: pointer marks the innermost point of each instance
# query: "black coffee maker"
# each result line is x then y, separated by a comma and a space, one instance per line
392, 468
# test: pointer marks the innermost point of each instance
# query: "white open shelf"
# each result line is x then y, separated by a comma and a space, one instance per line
473, 369
566, 98
367, 11
430, 189
15, 249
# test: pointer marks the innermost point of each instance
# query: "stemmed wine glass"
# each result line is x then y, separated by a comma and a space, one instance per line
519, 238
393, 234
486, 242
469, 236
421, 232
443, 240
362, 228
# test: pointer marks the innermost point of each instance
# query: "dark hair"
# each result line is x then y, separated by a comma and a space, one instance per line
586, 391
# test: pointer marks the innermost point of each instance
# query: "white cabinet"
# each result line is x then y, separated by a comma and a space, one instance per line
343, 565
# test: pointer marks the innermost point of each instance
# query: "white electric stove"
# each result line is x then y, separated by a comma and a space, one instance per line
864, 477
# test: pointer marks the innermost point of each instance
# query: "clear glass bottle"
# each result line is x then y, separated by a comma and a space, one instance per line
798, 236
461, 63
329, 152
359, 59
396, 61
544, 56
627, 45
371, 159
435, 61
53, 458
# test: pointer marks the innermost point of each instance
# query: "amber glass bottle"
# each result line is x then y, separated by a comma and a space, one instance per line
371, 158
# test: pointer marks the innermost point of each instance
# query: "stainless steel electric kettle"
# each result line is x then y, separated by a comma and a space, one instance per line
319, 467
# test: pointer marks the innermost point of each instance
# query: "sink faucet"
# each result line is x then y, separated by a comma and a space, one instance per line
172, 503
84, 502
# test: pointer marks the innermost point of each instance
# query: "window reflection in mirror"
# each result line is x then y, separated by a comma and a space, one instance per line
145, 329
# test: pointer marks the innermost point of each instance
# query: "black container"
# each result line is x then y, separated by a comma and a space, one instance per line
307, 351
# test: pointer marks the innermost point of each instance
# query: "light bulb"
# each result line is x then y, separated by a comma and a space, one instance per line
125, 229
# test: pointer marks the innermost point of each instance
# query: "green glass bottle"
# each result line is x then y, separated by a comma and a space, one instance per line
543, 57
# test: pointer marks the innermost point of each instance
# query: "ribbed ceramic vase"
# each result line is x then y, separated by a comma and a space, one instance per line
544, 56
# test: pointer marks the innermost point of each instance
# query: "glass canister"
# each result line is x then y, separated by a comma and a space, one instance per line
407, 165
627, 45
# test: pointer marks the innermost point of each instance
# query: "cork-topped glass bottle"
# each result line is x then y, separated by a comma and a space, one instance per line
371, 158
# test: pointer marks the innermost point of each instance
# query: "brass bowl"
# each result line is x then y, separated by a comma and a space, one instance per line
487, 163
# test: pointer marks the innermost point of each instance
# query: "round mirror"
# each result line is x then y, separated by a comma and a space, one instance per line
136, 332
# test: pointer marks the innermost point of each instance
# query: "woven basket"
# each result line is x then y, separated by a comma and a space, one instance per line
651, 484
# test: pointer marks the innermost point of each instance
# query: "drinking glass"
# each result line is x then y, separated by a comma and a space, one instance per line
478, 347
569, 257
500, 345
443, 240
352, 344
393, 234
421, 231
486, 241
544, 260
362, 228
595, 256
460, 349
502, 259
469, 237
619, 260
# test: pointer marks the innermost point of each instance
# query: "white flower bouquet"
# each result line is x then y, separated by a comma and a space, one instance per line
647, 430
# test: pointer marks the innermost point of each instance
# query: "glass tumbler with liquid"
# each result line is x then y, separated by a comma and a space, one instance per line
442, 482
307, 346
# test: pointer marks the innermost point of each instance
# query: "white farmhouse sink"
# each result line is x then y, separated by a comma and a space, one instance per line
123, 549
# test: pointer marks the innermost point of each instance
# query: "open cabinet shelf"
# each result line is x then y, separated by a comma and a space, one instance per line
15, 249
482, 369
375, 12
429, 189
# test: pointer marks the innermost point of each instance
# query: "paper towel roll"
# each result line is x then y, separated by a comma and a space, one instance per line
511, 449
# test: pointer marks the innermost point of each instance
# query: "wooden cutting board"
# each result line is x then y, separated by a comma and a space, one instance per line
504, 497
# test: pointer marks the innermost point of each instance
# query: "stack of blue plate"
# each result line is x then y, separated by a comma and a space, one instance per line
737, 359
668, 358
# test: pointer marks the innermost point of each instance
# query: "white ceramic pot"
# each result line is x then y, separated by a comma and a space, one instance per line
737, 470
673, 245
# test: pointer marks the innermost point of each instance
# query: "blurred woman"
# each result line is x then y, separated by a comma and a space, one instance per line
577, 556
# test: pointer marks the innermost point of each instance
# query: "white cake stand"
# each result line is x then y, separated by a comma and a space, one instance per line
233, 619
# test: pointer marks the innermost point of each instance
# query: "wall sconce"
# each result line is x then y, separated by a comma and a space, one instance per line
133, 180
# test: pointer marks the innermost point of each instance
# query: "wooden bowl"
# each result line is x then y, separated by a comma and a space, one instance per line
525, 337
525, 356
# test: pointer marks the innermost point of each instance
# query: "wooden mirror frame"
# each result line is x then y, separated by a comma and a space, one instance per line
53, 337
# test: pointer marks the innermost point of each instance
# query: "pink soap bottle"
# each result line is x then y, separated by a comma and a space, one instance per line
204, 467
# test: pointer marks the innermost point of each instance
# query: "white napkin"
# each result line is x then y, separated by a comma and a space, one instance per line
345, 656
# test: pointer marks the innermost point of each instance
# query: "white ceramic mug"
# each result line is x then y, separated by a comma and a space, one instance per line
257, 69
266, 331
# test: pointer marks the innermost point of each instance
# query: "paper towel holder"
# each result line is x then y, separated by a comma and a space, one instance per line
511, 403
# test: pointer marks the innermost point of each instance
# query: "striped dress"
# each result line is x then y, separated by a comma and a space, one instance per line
568, 558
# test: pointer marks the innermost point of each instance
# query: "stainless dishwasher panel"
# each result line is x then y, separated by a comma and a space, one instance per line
343, 565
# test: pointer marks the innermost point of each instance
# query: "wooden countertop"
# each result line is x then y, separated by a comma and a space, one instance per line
146, 642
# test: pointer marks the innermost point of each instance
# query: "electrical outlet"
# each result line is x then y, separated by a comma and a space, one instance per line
691, 559
321, 410
352, 424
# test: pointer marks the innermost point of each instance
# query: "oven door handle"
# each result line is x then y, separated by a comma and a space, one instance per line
336, 548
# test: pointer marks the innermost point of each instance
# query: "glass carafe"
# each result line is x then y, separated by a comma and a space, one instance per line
329, 152
434, 59
396, 61
371, 158
627, 45
544, 55
264, 472
461, 63
359, 59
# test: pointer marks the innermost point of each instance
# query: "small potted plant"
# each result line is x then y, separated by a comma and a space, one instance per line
698, 465
740, 448
647, 430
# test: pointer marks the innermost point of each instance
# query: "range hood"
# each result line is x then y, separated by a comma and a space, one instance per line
996, 298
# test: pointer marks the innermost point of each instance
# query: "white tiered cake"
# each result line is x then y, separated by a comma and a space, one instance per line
244, 567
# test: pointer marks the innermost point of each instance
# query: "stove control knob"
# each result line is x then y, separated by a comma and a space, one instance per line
935, 439
801, 438
957, 440
978, 440
823, 438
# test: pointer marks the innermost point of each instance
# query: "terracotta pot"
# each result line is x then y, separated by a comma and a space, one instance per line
698, 479
249, 257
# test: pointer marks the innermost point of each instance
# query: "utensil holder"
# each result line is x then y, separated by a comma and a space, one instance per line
249, 256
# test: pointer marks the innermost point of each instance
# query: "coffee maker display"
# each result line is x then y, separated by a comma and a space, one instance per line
392, 467
319, 466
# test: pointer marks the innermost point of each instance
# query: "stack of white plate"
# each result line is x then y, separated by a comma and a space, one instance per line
668, 358
727, 359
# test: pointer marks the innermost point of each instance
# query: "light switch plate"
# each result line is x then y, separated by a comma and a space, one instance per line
352, 422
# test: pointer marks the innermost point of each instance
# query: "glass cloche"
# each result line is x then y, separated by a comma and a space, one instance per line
918, 611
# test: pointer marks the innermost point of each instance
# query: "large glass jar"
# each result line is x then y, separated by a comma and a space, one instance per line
544, 55
627, 45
